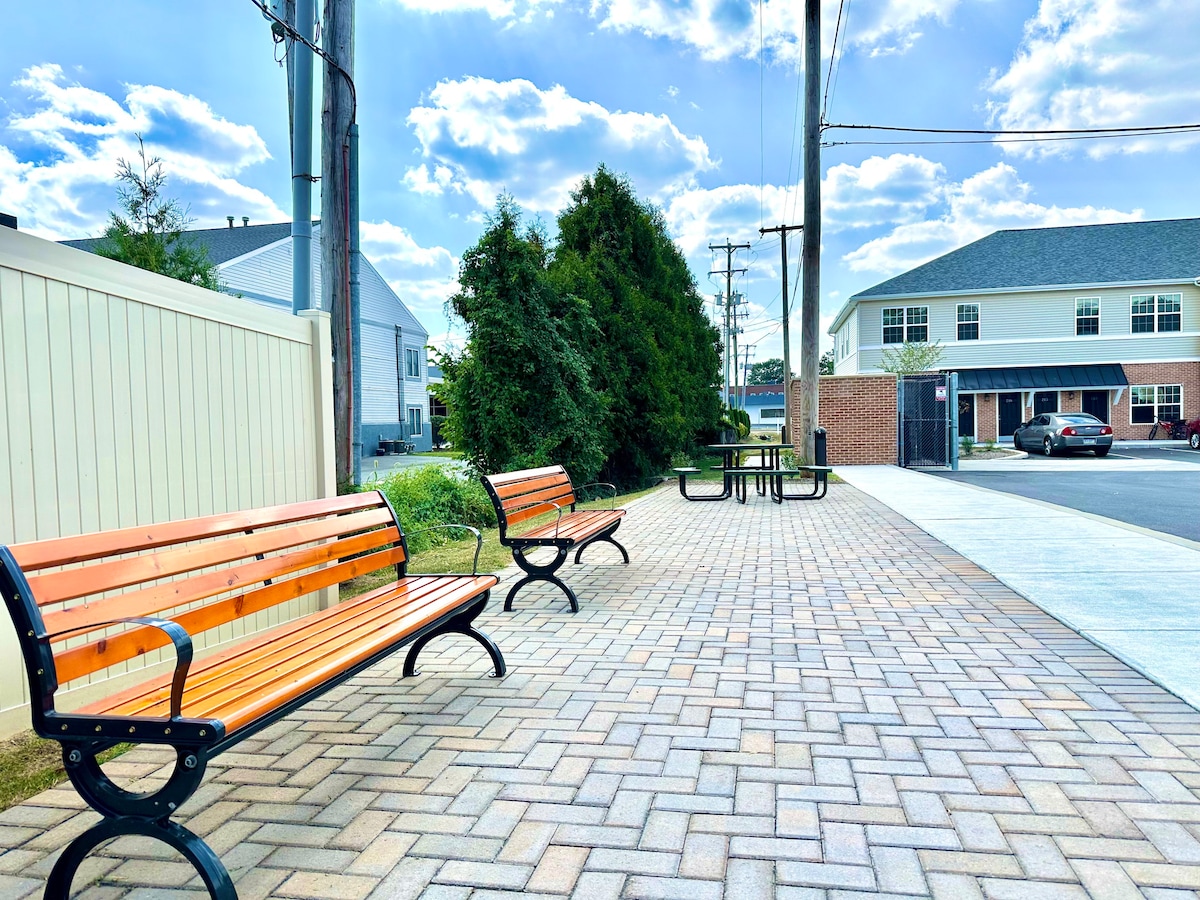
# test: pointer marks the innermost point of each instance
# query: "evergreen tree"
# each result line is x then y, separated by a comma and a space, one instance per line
519, 395
654, 356
151, 237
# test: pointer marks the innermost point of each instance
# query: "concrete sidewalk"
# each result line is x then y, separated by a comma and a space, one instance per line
1130, 590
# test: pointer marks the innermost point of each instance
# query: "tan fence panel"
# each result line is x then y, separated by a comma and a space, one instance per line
127, 398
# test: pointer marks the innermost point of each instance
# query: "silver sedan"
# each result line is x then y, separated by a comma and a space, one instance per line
1057, 432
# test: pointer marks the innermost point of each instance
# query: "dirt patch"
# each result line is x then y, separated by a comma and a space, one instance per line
998, 453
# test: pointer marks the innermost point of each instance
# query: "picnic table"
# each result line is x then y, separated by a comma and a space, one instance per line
767, 469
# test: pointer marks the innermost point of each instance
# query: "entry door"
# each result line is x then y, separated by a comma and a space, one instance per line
1096, 404
966, 415
1011, 409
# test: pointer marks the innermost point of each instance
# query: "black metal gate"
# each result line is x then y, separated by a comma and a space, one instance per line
925, 406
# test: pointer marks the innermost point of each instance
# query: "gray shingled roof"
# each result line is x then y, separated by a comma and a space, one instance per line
1127, 252
223, 244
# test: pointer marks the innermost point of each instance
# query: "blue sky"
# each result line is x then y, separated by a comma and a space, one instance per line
695, 100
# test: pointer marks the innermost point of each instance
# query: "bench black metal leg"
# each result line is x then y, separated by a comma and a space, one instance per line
460, 624
128, 813
608, 539
540, 573
212, 871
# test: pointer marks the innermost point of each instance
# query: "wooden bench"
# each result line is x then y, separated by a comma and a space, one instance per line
529, 493
120, 594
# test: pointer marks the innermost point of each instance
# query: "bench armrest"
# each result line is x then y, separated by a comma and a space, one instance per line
179, 637
474, 531
606, 484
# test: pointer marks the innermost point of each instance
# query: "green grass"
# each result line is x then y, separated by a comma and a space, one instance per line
30, 765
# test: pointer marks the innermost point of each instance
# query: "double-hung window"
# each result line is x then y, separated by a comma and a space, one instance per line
412, 363
1156, 312
414, 421
903, 324
1087, 316
1150, 401
968, 321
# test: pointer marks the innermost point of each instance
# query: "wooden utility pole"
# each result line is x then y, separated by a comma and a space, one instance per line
810, 256
787, 316
728, 272
337, 39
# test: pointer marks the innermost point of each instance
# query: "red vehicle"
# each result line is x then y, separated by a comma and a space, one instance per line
1193, 434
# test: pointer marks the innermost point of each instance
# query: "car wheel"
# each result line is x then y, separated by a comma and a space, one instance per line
1194, 440
1048, 447
1102, 451
1017, 443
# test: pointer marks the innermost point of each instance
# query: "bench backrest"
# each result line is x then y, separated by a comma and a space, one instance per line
529, 493
203, 573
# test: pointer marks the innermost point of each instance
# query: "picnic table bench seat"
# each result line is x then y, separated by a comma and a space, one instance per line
529, 493
83, 604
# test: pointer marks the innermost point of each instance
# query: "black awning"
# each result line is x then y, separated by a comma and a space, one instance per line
1042, 378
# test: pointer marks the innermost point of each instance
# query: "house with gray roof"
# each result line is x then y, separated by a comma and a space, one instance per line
255, 262
1099, 318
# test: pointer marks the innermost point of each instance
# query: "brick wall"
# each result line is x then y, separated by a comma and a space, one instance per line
1186, 374
858, 412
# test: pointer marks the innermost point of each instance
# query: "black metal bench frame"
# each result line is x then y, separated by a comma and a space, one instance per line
521, 545
195, 741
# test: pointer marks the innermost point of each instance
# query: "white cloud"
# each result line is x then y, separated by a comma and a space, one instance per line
493, 136
987, 201
722, 29
58, 170
496, 9
423, 277
1102, 63
881, 190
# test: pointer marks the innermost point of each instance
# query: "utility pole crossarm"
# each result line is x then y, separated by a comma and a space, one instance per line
728, 272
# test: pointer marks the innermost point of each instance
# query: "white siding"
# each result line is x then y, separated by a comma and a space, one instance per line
1038, 328
127, 398
379, 400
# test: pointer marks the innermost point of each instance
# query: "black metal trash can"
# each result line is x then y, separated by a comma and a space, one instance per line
819, 447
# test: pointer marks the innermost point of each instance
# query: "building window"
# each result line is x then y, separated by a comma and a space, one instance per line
906, 324
414, 421
968, 321
773, 413
1087, 315
1156, 312
1150, 401
412, 363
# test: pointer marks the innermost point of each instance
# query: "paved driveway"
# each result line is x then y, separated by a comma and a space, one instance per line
770, 703
1156, 489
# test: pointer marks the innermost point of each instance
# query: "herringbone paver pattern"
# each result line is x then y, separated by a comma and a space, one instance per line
813, 701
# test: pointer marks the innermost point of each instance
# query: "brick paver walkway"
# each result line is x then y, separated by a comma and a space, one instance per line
797, 702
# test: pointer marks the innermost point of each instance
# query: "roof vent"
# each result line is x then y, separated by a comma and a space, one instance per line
230, 220
245, 221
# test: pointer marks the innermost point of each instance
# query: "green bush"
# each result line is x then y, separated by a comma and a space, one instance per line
968, 445
425, 496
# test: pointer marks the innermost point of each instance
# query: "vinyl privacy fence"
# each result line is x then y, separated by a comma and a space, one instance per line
127, 398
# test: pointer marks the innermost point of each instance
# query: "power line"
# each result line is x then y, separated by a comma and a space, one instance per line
837, 29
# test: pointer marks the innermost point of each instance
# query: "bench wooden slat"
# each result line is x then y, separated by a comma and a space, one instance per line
502, 478
238, 685
560, 494
97, 655
575, 526
161, 597
261, 651
35, 555
516, 490
70, 584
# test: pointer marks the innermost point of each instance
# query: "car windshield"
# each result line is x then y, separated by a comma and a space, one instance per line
1081, 419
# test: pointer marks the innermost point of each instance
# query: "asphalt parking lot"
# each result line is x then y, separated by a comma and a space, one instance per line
1149, 487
